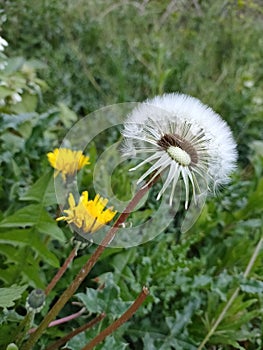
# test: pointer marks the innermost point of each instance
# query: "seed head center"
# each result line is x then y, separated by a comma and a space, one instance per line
179, 155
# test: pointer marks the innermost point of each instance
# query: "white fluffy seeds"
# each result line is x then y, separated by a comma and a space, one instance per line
183, 139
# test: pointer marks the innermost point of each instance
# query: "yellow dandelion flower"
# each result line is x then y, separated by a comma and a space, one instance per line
66, 161
88, 215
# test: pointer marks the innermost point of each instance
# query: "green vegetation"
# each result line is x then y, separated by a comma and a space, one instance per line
66, 59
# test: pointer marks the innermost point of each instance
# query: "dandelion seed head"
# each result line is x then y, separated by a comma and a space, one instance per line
183, 138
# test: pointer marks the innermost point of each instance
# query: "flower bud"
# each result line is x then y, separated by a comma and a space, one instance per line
36, 300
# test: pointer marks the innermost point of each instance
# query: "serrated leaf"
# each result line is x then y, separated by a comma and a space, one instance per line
91, 300
148, 342
14, 121
34, 215
78, 342
9, 295
10, 253
12, 143
107, 300
31, 274
10, 316
28, 237
112, 343
252, 286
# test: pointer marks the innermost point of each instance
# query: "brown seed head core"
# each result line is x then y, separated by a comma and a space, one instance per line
175, 140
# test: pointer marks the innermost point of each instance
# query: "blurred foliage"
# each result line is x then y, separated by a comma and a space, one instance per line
128, 51
67, 57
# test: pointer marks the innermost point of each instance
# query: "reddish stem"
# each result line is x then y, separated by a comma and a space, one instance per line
72, 334
124, 318
62, 320
84, 271
61, 271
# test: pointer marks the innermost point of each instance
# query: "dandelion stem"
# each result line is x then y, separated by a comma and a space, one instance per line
24, 327
62, 320
84, 271
62, 341
233, 296
124, 318
62, 270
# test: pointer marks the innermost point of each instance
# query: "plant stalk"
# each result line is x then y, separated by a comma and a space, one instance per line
84, 271
61, 271
124, 318
24, 327
233, 296
62, 341
62, 320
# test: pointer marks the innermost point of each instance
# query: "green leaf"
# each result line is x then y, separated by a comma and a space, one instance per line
49, 226
14, 121
107, 300
91, 300
27, 105
8, 295
14, 64
29, 237
148, 342
257, 146
67, 116
79, 341
25, 129
25, 217
4, 92
112, 343
20, 265
42, 191
252, 286
34, 215
120, 262
31, 273
12, 143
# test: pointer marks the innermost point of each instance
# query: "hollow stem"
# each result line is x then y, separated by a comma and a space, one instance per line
233, 296
24, 327
84, 271
62, 320
62, 270
124, 318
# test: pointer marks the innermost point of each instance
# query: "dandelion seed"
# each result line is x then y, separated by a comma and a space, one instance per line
67, 162
88, 215
183, 139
